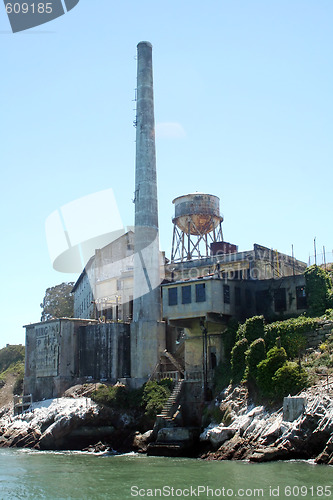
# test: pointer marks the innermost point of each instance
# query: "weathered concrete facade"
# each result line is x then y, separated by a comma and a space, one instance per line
63, 352
148, 332
51, 360
104, 351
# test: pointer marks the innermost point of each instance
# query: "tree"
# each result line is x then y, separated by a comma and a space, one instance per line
58, 302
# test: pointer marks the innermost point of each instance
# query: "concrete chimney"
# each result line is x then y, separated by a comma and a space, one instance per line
148, 337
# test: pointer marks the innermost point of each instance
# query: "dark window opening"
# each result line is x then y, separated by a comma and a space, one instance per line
238, 298
263, 302
186, 294
301, 302
200, 292
130, 311
280, 300
226, 294
213, 361
173, 296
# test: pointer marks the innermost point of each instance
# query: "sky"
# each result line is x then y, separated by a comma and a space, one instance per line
243, 109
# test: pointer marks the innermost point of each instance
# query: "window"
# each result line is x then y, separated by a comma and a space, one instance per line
173, 297
238, 299
226, 294
200, 292
263, 301
301, 302
280, 300
186, 294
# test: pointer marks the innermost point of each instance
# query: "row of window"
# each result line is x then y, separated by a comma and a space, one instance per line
262, 297
186, 294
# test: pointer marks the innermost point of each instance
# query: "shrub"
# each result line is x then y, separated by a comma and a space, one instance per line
229, 337
238, 364
255, 354
276, 358
154, 397
291, 332
318, 285
289, 379
118, 397
252, 329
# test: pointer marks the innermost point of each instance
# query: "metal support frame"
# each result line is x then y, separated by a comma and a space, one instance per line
187, 246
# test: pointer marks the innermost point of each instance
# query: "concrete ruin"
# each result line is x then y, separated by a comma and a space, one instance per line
139, 315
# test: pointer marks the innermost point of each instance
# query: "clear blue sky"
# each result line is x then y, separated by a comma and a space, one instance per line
243, 103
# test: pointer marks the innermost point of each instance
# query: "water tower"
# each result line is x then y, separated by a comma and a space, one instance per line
197, 224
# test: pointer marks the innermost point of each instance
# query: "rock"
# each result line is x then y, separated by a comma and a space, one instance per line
268, 454
172, 434
141, 441
98, 448
273, 431
218, 435
326, 456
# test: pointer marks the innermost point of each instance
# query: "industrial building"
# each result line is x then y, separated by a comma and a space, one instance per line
139, 315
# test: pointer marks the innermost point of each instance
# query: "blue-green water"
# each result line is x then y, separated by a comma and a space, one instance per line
26, 474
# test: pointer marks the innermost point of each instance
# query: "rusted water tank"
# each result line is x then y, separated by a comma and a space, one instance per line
197, 213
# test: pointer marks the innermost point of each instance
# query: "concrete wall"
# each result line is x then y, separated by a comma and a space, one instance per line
52, 361
60, 353
104, 351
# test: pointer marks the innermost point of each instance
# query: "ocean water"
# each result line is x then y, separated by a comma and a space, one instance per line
26, 474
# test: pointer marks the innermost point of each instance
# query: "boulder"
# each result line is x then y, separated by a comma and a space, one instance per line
141, 441
218, 435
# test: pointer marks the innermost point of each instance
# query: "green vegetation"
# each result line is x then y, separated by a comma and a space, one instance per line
10, 355
252, 329
148, 399
275, 359
58, 302
320, 362
291, 333
155, 395
255, 354
238, 362
289, 379
319, 290
12, 363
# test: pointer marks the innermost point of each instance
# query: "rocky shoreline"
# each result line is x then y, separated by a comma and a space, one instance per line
258, 435
251, 433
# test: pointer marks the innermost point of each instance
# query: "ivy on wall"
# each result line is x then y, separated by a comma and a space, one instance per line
319, 290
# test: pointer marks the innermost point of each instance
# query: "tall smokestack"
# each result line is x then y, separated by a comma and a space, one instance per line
148, 337
147, 302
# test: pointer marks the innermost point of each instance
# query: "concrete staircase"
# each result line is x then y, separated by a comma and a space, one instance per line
172, 439
171, 405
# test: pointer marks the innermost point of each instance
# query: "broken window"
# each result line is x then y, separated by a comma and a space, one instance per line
301, 302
